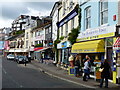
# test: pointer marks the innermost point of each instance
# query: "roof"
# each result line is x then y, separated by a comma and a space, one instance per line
16, 36
42, 26
56, 3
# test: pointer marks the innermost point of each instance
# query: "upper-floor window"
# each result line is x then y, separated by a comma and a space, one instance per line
27, 35
47, 30
64, 7
31, 34
104, 12
66, 28
72, 23
71, 4
87, 17
62, 31
36, 34
50, 29
26, 44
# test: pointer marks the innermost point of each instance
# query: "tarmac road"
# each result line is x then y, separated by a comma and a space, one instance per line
19, 76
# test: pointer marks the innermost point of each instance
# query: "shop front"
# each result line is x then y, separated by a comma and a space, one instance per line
19, 51
64, 52
116, 58
95, 49
98, 44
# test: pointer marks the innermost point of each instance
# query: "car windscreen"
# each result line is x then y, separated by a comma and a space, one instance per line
21, 56
11, 55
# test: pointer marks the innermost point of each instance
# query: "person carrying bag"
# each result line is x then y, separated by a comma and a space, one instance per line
105, 73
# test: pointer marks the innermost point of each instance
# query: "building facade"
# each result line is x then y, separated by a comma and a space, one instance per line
98, 32
68, 19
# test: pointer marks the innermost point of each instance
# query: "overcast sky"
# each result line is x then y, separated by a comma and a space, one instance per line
9, 11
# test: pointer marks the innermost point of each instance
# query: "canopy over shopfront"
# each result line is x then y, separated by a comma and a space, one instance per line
18, 50
89, 47
42, 49
116, 45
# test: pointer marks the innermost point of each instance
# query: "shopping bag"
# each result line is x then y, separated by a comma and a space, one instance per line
101, 69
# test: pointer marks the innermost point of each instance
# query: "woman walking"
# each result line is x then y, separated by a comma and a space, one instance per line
86, 70
77, 66
105, 74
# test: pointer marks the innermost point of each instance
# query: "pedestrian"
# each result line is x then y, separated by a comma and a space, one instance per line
86, 58
105, 73
86, 70
77, 66
25, 57
71, 60
29, 58
89, 65
41, 58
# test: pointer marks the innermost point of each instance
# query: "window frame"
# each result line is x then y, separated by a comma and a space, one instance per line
61, 30
72, 23
66, 29
88, 17
103, 10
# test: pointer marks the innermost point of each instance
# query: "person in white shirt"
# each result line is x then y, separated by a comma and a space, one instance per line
86, 70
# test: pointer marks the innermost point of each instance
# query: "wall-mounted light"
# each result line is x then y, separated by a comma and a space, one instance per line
114, 17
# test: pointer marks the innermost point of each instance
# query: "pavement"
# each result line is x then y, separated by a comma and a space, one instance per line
57, 72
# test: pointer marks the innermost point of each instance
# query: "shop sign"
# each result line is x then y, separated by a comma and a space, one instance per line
59, 46
64, 45
41, 37
97, 33
84, 50
71, 15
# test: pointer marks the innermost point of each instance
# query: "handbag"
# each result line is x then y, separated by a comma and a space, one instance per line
101, 69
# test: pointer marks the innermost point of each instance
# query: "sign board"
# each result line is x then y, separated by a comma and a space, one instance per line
97, 33
71, 71
71, 15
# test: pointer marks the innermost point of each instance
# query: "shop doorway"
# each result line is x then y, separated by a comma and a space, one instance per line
110, 60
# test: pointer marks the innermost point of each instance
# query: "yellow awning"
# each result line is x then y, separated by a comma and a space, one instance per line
88, 47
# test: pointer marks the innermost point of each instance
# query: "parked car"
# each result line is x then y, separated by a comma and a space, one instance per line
10, 57
22, 59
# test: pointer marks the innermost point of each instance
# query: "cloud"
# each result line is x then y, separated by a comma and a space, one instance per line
11, 10
4, 23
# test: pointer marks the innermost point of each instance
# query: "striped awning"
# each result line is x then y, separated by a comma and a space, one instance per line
116, 45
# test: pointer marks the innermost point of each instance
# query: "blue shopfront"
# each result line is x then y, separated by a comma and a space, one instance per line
65, 52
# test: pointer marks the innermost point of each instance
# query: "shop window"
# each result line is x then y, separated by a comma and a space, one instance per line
109, 42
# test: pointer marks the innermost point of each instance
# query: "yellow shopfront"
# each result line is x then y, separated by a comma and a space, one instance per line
95, 49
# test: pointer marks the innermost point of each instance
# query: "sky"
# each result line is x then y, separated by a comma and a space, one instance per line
11, 9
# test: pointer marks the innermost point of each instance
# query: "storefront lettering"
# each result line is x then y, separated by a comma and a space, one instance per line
67, 18
95, 33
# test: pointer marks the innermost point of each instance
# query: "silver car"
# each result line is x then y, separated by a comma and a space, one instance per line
10, 57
